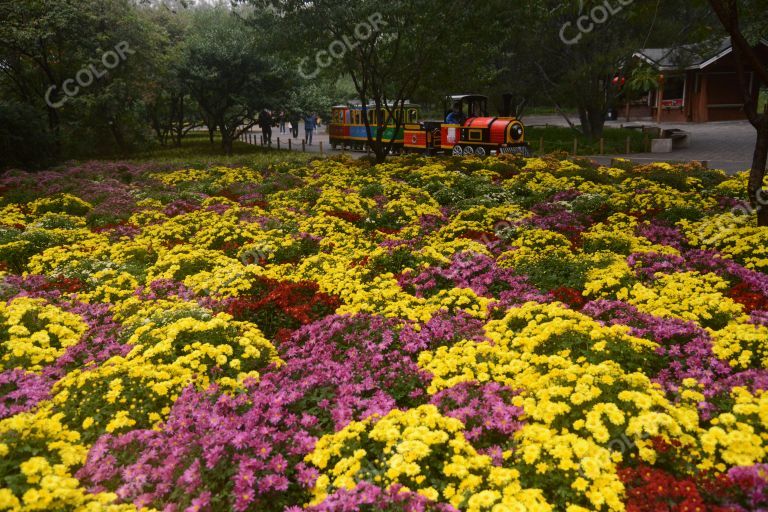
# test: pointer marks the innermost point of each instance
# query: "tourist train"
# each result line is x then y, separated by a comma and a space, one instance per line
467, 128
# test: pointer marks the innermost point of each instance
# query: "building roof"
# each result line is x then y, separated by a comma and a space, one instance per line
688, 57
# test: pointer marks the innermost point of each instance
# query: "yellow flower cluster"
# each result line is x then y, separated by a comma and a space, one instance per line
172, 349
35, 334
422, 451
39, 455
687, 295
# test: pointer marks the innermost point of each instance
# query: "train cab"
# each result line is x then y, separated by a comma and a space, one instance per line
467, 129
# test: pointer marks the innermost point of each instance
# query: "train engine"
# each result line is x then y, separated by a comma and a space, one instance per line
473, 133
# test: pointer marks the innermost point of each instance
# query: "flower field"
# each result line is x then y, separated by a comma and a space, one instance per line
503, 334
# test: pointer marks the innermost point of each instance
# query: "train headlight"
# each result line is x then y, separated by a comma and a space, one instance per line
516, 131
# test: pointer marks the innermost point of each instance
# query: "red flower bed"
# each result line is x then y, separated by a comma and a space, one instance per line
750, 299
654, 490
569, 296
281, 307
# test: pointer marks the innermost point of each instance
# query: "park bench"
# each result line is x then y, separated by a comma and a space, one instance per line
680, 138
672, 138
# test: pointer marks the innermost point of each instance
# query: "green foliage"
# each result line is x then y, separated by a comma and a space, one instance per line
24, 137
561, 139
552, 269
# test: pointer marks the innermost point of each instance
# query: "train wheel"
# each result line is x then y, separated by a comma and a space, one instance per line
468, 151
480, 151
457, 150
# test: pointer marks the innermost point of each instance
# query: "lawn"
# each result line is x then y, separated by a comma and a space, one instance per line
196, 150
557, 139
423, 335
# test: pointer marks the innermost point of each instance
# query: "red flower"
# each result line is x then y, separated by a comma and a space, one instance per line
570, 296
654, 490
347, 216
748, 297
280, 307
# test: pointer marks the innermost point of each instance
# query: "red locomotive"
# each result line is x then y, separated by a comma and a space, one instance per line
467, 130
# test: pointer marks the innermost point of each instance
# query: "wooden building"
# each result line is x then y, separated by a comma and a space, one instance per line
694, 87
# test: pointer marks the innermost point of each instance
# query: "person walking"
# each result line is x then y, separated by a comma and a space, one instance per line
294, 119
281, 120
265, 121
310, 123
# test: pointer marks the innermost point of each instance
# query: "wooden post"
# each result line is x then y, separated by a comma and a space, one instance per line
321, 146
289, 144
304, 145
541, 145
278, 143
575, 146
629, 145
646, 142
602, 146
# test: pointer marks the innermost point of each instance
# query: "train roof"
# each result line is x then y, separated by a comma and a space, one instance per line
390, 104
460, 97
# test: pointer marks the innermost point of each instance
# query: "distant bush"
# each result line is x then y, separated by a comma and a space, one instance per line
24, 137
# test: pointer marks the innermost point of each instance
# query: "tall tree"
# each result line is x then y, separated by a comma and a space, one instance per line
388, 50
227, 71
580, 46
746, 21
82, 62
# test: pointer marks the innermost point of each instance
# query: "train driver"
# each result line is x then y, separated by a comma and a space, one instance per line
456, 116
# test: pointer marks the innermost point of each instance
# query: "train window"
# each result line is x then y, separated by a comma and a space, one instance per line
412, 115
475, 135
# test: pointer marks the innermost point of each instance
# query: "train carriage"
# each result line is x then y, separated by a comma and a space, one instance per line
347, 128
474, 133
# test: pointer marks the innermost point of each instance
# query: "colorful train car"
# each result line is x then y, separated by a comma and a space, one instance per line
347, 127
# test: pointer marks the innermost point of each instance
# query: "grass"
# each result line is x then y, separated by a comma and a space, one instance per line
541, 111
561, 139
197, 151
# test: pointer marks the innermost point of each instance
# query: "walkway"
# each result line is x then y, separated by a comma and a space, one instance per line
726, 145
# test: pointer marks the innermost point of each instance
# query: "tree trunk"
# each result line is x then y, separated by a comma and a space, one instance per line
757, 197
586, 126
117, 134
227, 140
597, 122
592, 120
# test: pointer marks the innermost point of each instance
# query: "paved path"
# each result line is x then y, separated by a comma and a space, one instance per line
726, 145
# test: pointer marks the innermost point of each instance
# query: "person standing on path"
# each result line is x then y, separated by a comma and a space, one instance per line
310, 123
294, 119
281, 120
265, 121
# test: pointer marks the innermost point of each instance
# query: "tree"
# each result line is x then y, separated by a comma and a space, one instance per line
732, 14
386, 49
226, 70
82, 62
580, 46
170, 110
